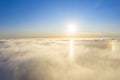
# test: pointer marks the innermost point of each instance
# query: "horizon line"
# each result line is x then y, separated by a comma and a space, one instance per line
87, 35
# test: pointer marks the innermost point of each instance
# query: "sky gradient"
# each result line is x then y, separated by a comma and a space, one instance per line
34, 17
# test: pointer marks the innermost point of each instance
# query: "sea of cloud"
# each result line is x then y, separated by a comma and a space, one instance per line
49, 59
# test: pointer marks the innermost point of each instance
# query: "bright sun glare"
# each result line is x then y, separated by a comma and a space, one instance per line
71, 27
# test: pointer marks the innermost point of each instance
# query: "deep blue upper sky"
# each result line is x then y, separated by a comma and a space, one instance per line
29, 17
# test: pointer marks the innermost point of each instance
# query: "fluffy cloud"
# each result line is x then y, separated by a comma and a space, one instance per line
49, 59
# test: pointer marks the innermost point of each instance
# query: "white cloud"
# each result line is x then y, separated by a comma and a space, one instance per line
48, 59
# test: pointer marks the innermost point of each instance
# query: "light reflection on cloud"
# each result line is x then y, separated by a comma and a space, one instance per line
71, 53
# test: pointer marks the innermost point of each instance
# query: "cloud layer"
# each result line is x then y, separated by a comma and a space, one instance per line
49, 59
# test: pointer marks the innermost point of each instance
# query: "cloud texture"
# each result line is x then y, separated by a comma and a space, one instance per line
48, 59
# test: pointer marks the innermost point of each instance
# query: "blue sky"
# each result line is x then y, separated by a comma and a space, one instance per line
34, 17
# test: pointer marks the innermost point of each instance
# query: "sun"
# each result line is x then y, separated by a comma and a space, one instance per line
71, 27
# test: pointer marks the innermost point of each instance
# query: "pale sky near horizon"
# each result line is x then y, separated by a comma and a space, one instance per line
34, 17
